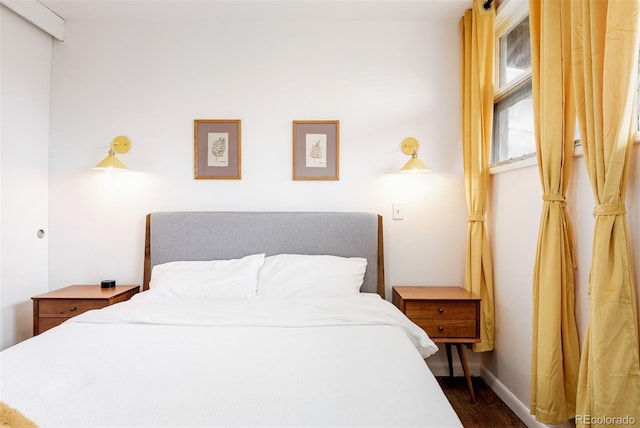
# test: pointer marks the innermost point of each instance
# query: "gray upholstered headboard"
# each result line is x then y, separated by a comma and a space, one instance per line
173, 236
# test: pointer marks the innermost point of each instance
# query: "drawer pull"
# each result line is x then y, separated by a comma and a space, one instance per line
441, 310
441, 328
72, 309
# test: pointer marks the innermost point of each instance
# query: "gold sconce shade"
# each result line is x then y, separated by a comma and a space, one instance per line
410, 146
120, 144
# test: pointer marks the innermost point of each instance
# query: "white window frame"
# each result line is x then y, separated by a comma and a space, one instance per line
509, 14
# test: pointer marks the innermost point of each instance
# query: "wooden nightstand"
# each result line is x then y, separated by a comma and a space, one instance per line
449, 315
53, 308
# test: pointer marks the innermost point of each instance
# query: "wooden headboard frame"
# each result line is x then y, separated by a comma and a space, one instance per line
380, 285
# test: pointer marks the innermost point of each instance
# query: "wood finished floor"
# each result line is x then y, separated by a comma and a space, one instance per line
488, 411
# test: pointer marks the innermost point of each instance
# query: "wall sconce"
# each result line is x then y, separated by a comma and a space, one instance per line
410, 146
120, 144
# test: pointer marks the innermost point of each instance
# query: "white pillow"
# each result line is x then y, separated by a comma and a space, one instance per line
214, 279
295, 275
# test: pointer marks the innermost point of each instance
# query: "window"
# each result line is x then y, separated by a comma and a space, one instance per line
513, 127
514, 53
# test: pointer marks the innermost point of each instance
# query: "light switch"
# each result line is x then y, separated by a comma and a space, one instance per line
398, 211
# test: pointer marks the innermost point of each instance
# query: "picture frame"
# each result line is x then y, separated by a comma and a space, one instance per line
316, 149
217, 149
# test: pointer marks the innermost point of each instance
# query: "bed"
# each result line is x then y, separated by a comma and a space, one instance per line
246, 319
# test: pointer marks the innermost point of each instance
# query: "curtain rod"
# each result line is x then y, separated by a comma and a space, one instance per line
487, 5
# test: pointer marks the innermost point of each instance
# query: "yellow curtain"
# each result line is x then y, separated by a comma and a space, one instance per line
555, 355
605, 53
477, 30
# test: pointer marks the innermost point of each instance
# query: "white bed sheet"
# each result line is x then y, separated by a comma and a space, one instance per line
328, 362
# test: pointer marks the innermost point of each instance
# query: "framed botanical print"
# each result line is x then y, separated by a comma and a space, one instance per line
316, 149
217, 149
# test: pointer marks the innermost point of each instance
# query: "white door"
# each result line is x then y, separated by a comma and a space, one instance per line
25, 88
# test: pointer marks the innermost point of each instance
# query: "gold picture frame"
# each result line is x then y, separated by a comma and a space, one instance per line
316, 150
217, 149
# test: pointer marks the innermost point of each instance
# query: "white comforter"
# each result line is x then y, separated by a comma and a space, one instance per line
352, 361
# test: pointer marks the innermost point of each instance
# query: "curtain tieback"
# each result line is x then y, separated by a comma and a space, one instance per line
609, 209
475, 217
548, 197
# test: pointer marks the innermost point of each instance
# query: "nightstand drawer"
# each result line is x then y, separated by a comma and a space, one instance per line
441, 309
67, 308
47, 323
449, 328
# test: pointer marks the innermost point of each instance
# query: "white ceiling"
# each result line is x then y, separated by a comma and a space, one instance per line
236, 10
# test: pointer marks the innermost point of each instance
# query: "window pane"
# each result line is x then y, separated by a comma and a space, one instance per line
514, 133
515, 53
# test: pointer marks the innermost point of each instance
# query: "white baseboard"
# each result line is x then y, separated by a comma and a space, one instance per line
517, 406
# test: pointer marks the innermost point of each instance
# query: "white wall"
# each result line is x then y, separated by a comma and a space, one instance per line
384, 80
25, 78
515, 208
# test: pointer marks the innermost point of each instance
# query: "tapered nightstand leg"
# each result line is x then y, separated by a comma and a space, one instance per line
465, 367
448, 346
